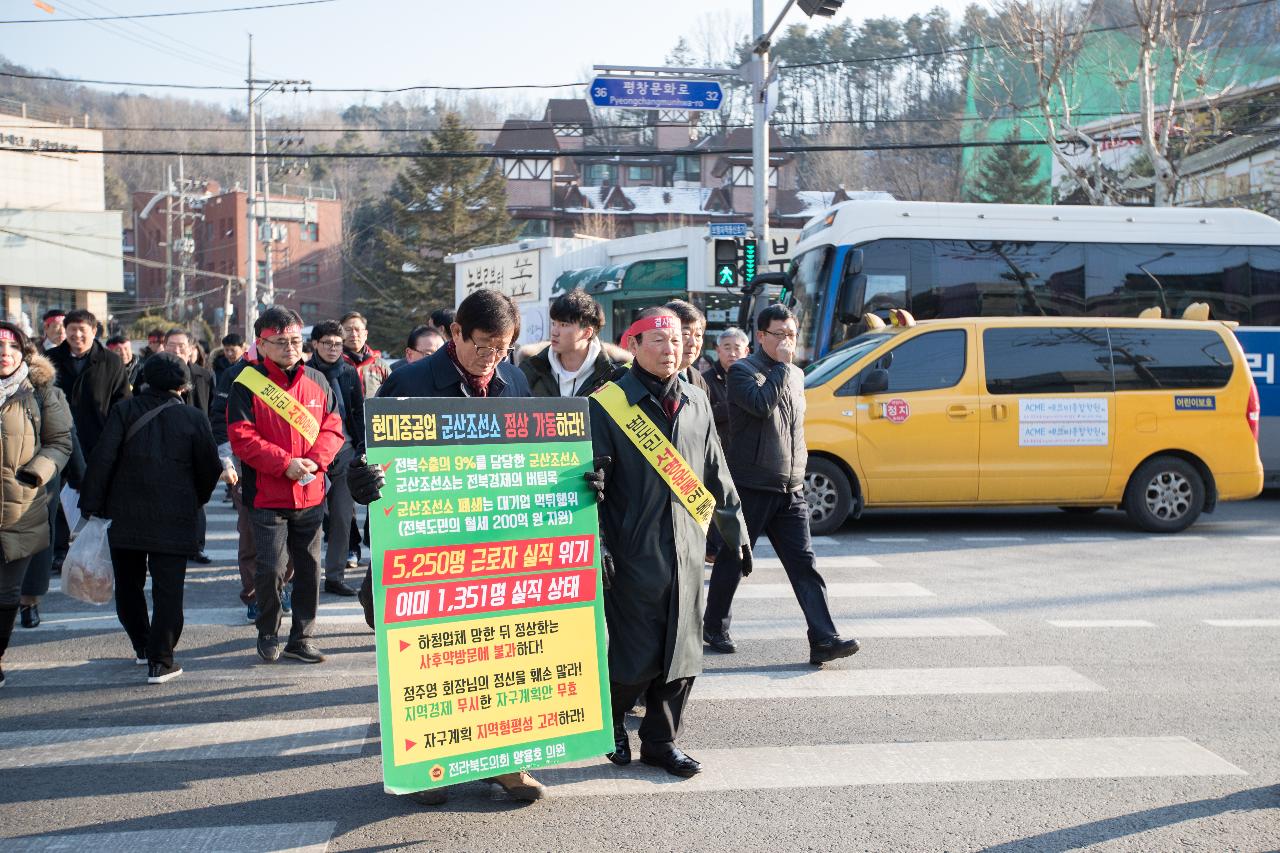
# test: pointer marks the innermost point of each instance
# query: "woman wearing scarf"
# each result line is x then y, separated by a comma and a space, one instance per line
35, 442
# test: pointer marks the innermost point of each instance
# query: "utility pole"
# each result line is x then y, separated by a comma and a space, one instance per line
251, 276
168, 241
184, 254
269, 289
759, 81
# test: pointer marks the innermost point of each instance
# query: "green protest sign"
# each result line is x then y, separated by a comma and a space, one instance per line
486, 582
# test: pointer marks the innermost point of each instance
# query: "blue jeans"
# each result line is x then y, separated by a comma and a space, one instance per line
281, 535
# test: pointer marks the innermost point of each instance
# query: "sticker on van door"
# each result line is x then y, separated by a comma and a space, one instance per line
1062, 421
1195, 402
896, 410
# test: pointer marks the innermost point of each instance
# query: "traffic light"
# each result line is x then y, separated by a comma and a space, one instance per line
748, 260
726, 269
821, 8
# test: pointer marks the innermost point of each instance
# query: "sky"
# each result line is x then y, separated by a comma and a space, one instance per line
362, 43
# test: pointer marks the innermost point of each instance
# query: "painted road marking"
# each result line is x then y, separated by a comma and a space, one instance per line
809, 683
836, 765
893, 539
1263, 538
250, 739
1243, 623
993, 538
825, 540
330, 613
823, 563
1101, 623
1088, 538
276, 837
916, 627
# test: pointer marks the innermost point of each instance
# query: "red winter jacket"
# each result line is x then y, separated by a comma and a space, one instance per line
266, 443
371, 366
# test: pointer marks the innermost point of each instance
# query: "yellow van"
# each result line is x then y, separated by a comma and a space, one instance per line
1157, 416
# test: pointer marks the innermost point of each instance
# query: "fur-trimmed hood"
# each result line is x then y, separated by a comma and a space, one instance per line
40, 371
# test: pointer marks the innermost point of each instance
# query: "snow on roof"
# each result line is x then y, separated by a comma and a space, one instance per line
650, 200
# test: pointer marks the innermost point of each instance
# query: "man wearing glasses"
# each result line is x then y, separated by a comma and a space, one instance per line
284, 426
472, 364
767, 458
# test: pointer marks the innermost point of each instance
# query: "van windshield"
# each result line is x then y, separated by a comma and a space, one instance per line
833, 363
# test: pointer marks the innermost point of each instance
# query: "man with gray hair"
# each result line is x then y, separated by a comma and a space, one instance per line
731, 345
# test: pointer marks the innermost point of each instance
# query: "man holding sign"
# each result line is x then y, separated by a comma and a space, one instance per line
668, 480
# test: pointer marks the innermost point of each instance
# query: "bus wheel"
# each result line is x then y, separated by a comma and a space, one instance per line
1164, 495
826, 488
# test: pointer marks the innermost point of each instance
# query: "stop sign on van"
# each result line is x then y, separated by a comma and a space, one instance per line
897, 410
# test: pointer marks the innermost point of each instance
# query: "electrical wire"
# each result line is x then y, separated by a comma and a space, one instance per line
181, 14
160, 265
309, 89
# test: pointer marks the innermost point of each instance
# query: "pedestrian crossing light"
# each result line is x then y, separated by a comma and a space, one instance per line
748, 260
726, 269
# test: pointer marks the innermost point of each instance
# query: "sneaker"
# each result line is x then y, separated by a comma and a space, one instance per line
158, 673
286, 600
353, 560
305, 651
269, 648
251, 613
139, 657
521, 786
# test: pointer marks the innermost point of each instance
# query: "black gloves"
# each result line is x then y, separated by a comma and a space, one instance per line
606, 568
595, 477
746, 560
365, 481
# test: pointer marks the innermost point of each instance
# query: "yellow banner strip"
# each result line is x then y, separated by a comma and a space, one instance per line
284, 405
659, 452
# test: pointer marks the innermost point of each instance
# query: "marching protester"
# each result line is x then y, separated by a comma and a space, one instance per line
155, 344
730, 346
345, 382
472, 364
692, 326
54, 332
198, 394
767, 458
151, 474
654, 595
232, 351
285, 453
120, 345
35, 442
423, 341
369, 363
92, 376
575, 363
442, 321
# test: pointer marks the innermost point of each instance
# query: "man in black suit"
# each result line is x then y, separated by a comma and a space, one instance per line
92, 376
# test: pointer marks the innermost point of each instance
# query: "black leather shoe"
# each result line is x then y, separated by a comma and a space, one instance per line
721, 642
338, 588
833, 649
202, 558
621, 754
674, 761
30, 615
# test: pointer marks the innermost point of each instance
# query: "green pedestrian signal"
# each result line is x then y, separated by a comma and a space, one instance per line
726, 268
748, 260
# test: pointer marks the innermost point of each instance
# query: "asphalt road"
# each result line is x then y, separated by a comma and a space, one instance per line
1029, 680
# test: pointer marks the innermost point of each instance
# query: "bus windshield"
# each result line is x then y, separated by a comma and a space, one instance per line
809, 274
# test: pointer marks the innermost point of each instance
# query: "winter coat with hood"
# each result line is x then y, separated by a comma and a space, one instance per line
35, 439
544, 382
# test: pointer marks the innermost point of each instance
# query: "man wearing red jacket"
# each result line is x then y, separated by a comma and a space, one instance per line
284, 426
369, 363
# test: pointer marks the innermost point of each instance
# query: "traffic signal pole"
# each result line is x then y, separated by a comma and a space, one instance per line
760, 130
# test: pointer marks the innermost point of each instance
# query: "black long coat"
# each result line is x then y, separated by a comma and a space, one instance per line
654, 608
91, 393
153, 487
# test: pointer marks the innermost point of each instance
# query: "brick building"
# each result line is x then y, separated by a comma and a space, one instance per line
305, 250
557, 191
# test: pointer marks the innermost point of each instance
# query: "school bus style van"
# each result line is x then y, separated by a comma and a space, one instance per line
1159, 417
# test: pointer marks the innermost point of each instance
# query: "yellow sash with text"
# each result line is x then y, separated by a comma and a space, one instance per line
659, 452
281, 402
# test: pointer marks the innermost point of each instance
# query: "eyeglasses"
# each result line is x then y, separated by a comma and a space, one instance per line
329, 344
491, 352
284, 343
783, 336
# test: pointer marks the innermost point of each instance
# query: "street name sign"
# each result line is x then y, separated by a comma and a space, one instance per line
728, 229
655, 93
489, 622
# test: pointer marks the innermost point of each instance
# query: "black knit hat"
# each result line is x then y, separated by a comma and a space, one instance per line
164, 371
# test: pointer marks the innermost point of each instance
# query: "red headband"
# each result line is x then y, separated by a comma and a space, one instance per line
56, 318
648, 324
287, 330
7, 335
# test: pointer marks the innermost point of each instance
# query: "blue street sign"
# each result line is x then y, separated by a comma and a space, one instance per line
655, 93
728, 229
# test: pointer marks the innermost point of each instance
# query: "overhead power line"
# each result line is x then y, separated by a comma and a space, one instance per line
181, 14
310, 89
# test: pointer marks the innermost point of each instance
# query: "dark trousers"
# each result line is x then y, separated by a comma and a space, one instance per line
11, 573
784, 517
246, 553
36, 582
156, 637
664, 703
281, 536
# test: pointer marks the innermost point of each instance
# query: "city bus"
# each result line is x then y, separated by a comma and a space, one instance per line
941, 260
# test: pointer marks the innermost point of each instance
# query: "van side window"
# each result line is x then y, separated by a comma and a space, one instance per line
1047, 360
1170, 358
925, 363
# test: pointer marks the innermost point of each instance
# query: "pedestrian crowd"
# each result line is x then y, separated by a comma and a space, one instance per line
143, 440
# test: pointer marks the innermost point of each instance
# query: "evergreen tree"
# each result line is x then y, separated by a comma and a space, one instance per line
437, 206
1007, 175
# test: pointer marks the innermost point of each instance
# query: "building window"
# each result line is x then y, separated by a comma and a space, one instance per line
308, 274
599, 174
536, 228
262, 270
640, 173
310, 312
311, 231
646, 227
688, 169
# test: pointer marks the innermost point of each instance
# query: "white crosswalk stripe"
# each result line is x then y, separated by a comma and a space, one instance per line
1243, 623
1101, 623
904, 627
800, 684
275, 837
835, 590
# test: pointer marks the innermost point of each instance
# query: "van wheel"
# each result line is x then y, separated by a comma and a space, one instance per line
1165, 495
830, 498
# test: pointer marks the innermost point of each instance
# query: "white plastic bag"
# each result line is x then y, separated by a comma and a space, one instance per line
86, 572
70, 499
